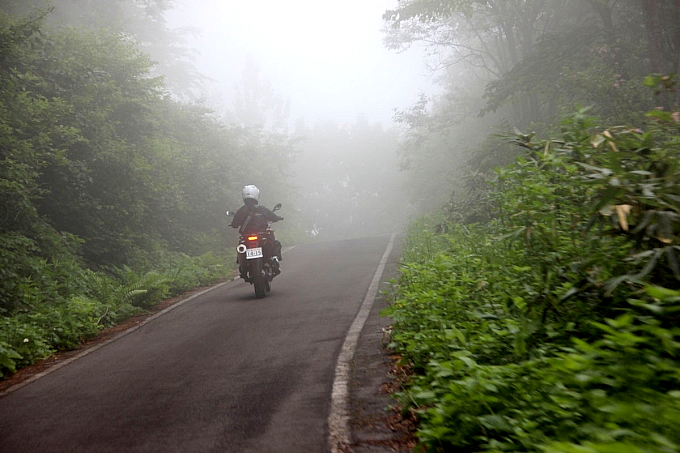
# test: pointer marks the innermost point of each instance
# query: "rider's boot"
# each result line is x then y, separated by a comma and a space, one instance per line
277, 250
275, 266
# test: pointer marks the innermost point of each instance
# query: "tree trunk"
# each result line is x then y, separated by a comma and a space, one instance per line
605, 13
677, 52
506, 25
654, 29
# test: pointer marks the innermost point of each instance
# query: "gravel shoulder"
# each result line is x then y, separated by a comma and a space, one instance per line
376, 423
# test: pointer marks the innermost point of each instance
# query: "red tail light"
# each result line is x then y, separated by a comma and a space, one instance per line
252, 238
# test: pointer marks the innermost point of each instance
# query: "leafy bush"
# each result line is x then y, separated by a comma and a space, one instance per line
553, 327
97, 300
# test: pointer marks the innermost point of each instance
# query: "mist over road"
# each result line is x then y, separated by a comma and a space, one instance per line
224, 372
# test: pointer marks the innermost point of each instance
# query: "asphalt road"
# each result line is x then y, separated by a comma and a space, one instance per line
224, 372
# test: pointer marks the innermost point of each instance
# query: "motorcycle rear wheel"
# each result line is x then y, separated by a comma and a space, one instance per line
259, 279
268, 277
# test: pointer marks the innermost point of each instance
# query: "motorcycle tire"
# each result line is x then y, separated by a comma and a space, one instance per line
259, 279
268, 277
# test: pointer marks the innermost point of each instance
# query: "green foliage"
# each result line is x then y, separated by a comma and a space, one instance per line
95, 301
580, 64
142, 19
553, 327
92, 146
616, 393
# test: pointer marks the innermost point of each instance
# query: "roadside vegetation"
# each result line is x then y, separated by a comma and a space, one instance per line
537, 306
553, 326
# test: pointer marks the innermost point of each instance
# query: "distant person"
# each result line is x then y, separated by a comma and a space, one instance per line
253, 218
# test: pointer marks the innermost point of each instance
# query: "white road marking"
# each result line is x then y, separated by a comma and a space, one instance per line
338, 419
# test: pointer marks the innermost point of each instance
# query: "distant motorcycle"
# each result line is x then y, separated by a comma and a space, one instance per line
257, 263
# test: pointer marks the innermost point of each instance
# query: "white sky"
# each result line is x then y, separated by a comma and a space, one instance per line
326, 57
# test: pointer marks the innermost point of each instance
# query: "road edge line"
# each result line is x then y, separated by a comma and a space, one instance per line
98, 346
338, 417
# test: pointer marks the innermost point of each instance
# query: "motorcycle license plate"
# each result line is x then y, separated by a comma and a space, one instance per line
254, 253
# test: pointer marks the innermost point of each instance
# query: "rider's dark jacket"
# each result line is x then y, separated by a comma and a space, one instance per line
252, 219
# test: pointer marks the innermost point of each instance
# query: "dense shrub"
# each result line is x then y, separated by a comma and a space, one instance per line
64, 322
554, 326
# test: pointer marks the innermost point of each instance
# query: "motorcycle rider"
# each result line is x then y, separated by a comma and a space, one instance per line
248, 222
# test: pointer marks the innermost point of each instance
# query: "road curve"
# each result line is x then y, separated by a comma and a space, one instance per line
224, 372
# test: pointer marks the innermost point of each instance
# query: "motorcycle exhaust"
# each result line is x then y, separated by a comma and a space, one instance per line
241, 248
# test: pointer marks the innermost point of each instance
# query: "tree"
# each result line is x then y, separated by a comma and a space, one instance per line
34, 135
661, 20
94, 148
142, 21
521, 63
256, 105
521, 46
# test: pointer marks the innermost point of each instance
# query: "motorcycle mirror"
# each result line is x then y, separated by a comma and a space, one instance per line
277, 207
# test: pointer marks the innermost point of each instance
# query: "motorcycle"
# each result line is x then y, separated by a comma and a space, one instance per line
257, 263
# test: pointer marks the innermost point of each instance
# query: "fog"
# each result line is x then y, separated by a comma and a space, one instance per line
325, 59
306, 92
324, 68
305, 100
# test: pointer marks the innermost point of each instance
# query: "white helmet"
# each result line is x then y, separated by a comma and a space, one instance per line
251, 192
